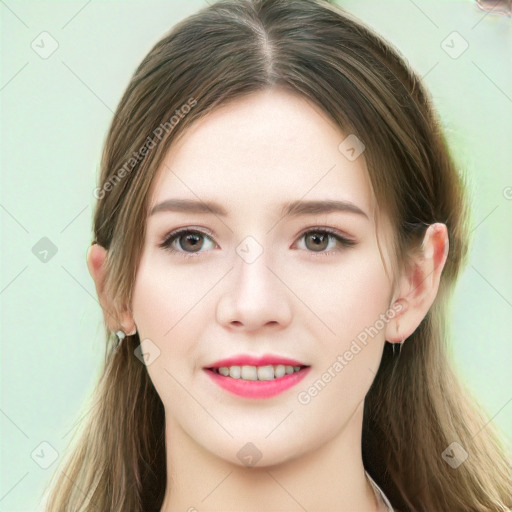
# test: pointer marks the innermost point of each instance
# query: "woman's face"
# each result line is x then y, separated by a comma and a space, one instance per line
253, 282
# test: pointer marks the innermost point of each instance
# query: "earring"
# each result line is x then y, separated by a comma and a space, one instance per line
401, 343
120, 336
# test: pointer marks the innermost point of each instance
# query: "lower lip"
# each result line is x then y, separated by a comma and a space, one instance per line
258, 388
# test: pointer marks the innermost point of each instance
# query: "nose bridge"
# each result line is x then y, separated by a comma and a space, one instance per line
252, 272
255, 284
255, 296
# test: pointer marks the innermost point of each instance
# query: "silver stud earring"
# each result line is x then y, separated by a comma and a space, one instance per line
120, 336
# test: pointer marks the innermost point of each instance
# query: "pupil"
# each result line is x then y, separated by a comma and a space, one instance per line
318, 239
195, 239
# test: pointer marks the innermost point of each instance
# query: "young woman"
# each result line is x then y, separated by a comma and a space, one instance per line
279, 226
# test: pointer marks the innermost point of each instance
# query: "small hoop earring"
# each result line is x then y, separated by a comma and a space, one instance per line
400, 343
400, 347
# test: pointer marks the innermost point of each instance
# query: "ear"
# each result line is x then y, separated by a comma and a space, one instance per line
419, 284
96, 259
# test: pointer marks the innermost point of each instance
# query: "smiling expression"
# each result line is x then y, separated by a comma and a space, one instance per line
261, 241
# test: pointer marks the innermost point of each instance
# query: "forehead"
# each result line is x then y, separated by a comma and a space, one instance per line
259, 151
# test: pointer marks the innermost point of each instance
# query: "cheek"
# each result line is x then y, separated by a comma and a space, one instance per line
346, 364
154, 302
171, 308
344, 298
163, 309
165, 298
367, 296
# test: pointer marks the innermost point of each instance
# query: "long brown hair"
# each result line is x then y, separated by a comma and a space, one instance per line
415, 408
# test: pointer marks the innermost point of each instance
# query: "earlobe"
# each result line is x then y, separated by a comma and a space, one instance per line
393, 332
420, 283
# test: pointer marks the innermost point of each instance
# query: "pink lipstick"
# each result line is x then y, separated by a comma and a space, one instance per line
256, 377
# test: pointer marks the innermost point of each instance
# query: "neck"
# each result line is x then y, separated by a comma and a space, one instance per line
331, 478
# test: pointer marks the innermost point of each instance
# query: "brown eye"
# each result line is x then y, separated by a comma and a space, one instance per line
324, 241
317, 241
187, 243
191, 242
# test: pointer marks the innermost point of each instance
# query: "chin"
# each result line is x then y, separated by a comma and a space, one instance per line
260, 452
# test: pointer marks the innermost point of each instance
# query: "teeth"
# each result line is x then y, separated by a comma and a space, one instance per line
268, 372
234, 372
279, 371
265, 372
249, 373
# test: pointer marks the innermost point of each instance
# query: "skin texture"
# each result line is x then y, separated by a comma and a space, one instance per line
251, 156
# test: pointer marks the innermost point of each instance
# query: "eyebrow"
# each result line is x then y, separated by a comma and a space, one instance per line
293, 208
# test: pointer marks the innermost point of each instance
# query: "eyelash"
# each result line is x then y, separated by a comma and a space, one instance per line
169, 239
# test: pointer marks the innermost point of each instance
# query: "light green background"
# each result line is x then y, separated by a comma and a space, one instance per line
54, 117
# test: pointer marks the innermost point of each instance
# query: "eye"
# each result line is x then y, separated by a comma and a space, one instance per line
189, 242
185, 240
319, 239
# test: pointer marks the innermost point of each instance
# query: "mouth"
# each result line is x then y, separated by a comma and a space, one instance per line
257, 373
261, 377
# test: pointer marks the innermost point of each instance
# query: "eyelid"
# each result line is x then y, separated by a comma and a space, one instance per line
187, 229
335, 232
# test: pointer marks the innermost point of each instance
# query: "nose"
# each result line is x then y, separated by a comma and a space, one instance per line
254, 297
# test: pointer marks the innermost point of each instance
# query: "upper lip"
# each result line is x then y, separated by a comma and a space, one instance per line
248, 360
